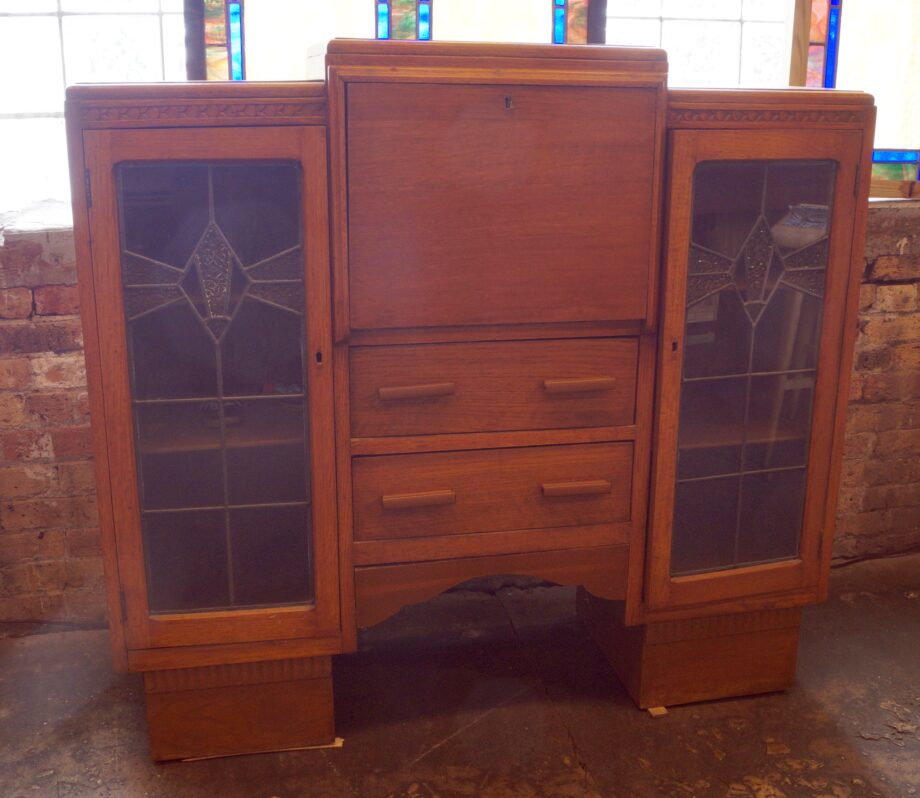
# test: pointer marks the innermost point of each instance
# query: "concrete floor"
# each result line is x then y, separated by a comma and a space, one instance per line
504, 696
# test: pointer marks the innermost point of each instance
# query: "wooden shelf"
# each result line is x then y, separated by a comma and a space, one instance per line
268, 424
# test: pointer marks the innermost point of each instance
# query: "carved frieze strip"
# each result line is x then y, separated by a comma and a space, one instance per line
210, 111
722, 117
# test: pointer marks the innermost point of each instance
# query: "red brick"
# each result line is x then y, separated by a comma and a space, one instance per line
901, 441
15, 303
31, 337
12, 410
36, 544
79, 511
15, 580
22, 608
895, 267
896, 298
83, 571
906, 356
889, 497
62, 407
84, 542
873, 359
48, 576
59, 371
866, 296
85, 605
874, 417
15, 373
71, 442
862, 523
21, 481
26, 445
881, 329
858, 445
76, 478
883, 386
57, 300
37, 258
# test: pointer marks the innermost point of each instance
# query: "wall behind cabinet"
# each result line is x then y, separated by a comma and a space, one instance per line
50, 566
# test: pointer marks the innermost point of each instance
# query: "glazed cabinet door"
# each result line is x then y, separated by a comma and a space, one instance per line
211, 278
758, 262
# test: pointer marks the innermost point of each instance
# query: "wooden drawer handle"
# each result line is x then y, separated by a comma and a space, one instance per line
409, 501
580, 385
590, 487
416, 391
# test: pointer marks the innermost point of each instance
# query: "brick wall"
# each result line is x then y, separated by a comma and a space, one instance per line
879, 510
50, 566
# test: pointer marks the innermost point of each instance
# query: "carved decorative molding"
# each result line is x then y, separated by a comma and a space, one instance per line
677, 116
194, 111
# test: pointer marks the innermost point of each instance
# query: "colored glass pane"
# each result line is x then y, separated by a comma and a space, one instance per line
424, 21
403, 16
815, 74
217, 63
234, 13
818, 31
383, 20
577, 22
558, 24
215, 22
833, 44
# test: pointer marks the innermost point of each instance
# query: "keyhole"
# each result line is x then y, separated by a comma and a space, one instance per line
319, 358
509, 104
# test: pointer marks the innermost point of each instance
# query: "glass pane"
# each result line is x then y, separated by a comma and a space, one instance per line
179, 450
771, 515
818, 27
711, 427
702, 53
815, 70
30, 46
271, 557
779, 421
764, 61
705, 516
755, 286
634, 32
403, 19
718, 334
39, 171
212, 269
186, 560
119, 48
765, 9
174, 47
702, 9
633, 8
266, 457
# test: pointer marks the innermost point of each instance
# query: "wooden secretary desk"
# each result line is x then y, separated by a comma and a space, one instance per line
461, 310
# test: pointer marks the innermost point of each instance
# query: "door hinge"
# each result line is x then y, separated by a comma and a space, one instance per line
88, 188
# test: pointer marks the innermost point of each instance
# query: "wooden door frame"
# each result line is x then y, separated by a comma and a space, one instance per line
790, 581
306, 145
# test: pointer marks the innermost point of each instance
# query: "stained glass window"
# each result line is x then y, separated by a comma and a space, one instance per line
223, 39
570, 21
823, 43
212, 273
403, 19
755, 295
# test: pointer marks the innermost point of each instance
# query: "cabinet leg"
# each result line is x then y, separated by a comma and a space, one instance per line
700, 659
242, 708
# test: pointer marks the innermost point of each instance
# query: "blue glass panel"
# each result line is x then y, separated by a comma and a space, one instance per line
560, 2
895, 156
833, 43
383, 20
424, 21
236, 41
559, 25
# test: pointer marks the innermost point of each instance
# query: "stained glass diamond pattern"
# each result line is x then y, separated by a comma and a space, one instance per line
213, 263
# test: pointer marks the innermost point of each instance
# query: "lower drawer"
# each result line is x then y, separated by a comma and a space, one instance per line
455, 493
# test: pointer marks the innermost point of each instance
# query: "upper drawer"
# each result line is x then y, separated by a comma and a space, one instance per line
481, 204
490, 387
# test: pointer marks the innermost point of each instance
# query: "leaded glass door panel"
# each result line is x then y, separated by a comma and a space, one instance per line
214, 252
756, 277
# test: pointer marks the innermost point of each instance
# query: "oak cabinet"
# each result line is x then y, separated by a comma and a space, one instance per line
441, 316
